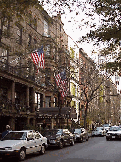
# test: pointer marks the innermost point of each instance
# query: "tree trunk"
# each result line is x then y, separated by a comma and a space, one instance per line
85, 116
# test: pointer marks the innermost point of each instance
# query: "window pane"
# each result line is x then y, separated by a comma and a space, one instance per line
47, 101
45, 28
35, 97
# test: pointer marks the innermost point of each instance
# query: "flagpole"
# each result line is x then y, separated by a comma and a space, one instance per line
59, 112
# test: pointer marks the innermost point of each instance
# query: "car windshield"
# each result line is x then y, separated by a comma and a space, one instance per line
114, 128
99, 128
15, 136
52, 132
106, 125
77, 131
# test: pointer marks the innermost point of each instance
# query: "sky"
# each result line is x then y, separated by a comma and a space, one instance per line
76, 22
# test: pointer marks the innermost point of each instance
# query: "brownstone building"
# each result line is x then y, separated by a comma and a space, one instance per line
100, 92
28, 97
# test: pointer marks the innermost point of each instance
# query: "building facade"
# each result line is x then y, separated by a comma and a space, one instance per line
74, 82
29, 94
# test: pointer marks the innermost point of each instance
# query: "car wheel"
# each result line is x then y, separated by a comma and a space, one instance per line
72, 142
4, 158
87, 138
22, 154
42, 151
60, 144
107, 139
81, 139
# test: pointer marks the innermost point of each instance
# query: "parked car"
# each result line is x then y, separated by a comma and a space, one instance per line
106, 127
80, 134
20, 143
59, 137
99, 131
113, 133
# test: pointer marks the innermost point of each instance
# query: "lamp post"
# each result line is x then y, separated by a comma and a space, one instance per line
79, 115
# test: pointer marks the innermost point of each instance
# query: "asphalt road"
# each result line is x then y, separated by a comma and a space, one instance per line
97, 149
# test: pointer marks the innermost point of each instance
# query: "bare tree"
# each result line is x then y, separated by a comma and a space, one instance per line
90, 82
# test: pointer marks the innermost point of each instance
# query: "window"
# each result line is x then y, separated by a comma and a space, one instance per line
35, 23
48, 101
3, 55
39, 100
60, 27
47, 50
35, 41
45, 28
30, 39
73, 89
30, 19
55, 102
6, 26
19, 35
17, 97
47, 76
54, 54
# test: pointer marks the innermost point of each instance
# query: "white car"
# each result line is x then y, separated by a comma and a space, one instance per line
20, 143
113, 133
99, 131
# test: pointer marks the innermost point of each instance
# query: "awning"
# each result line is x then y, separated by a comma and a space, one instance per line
64, 112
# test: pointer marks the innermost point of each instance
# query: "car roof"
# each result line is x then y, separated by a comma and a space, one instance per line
78, 128
24, 131
114, 126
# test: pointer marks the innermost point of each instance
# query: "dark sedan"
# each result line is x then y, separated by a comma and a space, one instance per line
59, 137
80, 134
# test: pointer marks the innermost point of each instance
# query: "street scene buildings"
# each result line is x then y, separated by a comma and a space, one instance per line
61, 89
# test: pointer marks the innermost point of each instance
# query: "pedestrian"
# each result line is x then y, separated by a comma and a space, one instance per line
6, 131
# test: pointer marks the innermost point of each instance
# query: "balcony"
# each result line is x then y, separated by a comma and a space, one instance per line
16, 71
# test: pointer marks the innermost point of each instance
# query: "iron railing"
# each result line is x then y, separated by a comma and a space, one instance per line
17, 71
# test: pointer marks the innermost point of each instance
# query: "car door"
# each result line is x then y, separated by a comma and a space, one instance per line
38, 141
66, 136
30, 143
83, 134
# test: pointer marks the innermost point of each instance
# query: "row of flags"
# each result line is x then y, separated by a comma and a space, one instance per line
61, 80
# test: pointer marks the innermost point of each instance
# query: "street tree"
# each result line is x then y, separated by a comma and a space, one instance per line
90, 84
109, 32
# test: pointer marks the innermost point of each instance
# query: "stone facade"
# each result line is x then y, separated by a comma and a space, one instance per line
23, 90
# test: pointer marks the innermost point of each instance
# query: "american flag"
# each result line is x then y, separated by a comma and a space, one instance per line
38, 57
35, 57
41, 57
62, 83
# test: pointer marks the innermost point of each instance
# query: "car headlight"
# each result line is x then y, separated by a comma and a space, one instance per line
8, 148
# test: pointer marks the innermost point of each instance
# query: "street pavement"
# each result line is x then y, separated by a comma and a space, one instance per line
97, 149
